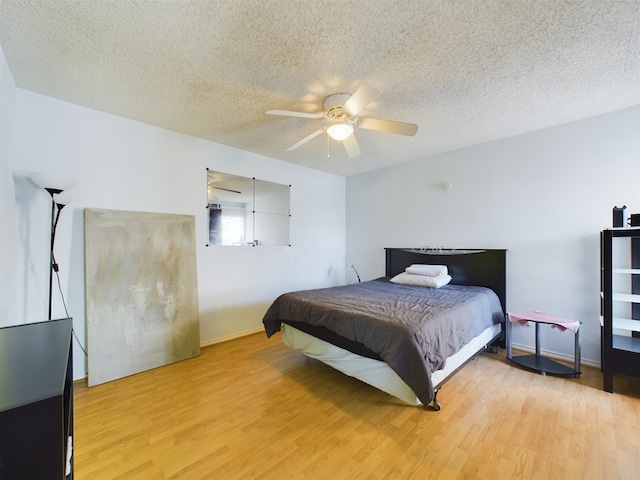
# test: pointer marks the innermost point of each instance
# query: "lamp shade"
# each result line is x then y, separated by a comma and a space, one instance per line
340, 130
61, 199
52, 181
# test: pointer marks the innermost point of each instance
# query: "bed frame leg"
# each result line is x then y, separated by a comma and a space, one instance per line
493, 346
436, 404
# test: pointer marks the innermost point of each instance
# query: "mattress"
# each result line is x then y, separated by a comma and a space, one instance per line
376, 372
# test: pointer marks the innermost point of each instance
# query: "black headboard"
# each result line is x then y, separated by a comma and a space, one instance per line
484, 268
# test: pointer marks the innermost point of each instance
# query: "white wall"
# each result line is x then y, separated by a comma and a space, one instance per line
7, 202
125, 165
544, 196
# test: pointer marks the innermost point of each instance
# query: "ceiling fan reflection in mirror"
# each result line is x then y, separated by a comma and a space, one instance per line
341, 109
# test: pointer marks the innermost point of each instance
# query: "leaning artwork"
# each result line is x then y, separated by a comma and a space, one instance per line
141, 291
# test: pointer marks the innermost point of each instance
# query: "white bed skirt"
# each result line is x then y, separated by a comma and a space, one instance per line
376, 372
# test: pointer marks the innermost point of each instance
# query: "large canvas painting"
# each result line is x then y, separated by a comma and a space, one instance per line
141, 291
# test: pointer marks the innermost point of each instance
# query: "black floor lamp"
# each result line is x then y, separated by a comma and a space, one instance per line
55, 185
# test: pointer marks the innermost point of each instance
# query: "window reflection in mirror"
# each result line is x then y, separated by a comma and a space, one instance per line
246, 211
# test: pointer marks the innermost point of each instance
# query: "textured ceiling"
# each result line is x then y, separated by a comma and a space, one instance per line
466, 72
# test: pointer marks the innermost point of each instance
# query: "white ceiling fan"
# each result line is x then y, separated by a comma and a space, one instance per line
342, 109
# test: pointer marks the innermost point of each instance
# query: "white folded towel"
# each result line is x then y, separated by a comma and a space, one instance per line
405, 278
428, 270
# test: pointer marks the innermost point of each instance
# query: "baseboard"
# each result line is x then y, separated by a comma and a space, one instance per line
231, 337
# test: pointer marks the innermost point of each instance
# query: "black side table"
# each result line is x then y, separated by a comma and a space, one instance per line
536, 361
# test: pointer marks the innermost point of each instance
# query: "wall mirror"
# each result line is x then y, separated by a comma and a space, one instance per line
246, 211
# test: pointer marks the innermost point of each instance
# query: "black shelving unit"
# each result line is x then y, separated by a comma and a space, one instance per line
620, 271
36, 401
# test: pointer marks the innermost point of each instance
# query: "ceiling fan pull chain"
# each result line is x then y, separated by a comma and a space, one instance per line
328, 155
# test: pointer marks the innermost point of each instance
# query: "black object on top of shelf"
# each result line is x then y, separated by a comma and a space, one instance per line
619, 216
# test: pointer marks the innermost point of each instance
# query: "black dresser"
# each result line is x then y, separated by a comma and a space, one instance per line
36, 401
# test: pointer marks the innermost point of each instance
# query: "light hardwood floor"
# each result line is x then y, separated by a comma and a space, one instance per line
253, 408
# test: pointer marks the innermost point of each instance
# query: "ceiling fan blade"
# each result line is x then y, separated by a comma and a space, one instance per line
362, 97
305, 139
351, 145
388, 126
288, 113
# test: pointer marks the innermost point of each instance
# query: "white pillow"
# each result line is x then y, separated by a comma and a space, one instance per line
430, 270
405, 278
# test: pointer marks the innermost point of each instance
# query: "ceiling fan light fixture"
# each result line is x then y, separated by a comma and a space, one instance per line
340, 130
341, 111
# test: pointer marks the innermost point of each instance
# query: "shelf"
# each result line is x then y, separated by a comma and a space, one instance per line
626, 297
629, 344
624, 231
627, 324
543, 365
628, 271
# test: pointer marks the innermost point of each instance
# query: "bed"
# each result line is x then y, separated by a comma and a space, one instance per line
403, 339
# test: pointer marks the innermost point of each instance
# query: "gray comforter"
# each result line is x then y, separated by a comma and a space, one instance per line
413, 329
